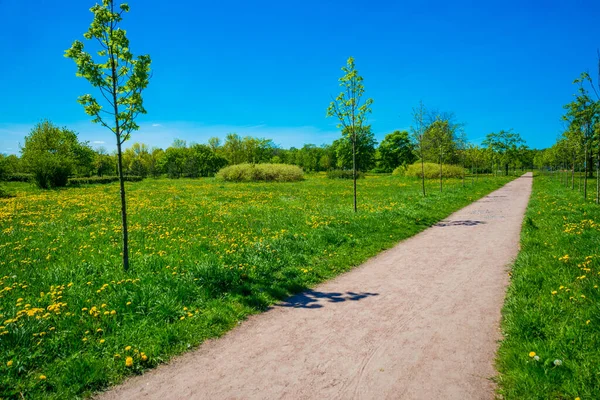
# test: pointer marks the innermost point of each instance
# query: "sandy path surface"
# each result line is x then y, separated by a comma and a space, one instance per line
419, 321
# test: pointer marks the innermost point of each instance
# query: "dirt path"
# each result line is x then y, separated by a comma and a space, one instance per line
419, 321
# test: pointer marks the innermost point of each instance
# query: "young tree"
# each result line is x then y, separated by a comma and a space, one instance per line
120, 79
419, 115
440, 138
351, 110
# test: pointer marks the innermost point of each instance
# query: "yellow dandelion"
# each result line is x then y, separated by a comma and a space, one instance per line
9, 363
42, 377
127, 348
532, 354
129, 362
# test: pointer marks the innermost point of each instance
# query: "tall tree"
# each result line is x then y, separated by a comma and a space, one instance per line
120, 79
351, 110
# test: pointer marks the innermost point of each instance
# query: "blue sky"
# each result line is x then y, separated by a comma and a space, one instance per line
268, 68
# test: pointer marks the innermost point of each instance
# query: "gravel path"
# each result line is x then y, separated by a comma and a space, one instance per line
419, 321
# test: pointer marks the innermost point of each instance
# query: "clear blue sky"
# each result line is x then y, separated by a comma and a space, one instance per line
268, 68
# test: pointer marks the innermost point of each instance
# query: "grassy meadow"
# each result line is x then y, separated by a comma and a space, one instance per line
551, 323
205, 254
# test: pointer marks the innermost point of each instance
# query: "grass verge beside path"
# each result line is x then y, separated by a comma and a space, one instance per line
551, 322
204, 255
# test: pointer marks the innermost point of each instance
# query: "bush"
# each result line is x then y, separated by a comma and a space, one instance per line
431, 170
18, 177
4, 194
343, 174
51, 173
261, 172
102, 179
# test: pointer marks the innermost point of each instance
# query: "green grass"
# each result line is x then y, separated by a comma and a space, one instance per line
552, 306
205, 255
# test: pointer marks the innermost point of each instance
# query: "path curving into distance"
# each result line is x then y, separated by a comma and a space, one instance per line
418, 321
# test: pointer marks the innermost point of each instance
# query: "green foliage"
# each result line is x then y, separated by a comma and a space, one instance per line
505, 147
18, 177
119, 77
364, 148
431, 171
261, 172
51, 154
198, 160
551, 307
206, 256
395, 150
102, 179
344, 174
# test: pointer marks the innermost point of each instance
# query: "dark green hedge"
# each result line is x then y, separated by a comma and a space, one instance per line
344, 174
102, 179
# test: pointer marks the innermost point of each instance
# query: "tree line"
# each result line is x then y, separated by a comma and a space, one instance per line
576, 151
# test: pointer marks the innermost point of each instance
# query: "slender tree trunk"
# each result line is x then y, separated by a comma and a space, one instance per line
354, 168
573, 176
422, 170
441, 174
115, 93
579, 179
598, 177
585, 173
123, 208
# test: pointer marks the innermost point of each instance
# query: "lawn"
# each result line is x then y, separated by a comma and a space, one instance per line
205, 255
551, 318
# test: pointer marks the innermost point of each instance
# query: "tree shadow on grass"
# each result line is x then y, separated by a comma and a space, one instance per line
315, 299
466, 222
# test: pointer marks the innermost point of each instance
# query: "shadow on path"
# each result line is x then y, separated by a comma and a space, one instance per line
314, 299
466, 222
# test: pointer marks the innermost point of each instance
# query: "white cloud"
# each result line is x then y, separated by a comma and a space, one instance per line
98, 142
155, 125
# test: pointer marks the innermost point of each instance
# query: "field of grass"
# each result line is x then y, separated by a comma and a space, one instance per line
205, 255
551, 318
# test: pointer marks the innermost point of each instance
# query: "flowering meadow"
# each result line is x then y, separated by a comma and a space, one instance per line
551, 325
205, 254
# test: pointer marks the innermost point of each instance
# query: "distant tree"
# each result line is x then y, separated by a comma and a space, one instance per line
440, 139
504, 145
103, 163
396, 149
418, 129
214, 143
155, 166
51, 154
174, 159
582, 115
360, 156
351, 110
120, 79
233, 149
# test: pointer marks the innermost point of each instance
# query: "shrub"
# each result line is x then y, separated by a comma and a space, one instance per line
431, 170
4, 194
18, 177
261, 172
343, 174
102, 179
